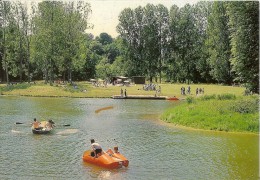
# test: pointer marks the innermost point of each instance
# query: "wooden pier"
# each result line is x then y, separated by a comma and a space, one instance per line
140, 97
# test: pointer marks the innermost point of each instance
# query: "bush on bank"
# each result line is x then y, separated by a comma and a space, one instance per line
224, 112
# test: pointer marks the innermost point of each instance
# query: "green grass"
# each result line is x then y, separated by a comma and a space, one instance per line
85, 89
217, 112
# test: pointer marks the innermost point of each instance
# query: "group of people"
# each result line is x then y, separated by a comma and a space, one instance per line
149, 87
198, 90
98, 151
37, 125
183, 90
123, 93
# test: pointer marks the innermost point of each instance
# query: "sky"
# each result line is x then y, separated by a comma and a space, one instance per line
105, 13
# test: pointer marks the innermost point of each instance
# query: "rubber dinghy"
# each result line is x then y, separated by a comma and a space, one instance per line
43, 129
172, 99
105, 160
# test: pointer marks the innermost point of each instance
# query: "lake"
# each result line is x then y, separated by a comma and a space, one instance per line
155, 150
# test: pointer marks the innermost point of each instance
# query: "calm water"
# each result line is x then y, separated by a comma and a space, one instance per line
155, 150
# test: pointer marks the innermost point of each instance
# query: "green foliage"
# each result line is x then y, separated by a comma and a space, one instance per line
104, 39
16, 86
218, 43
208, 97
103, 69
244, 22
57, 42
226, 96
246, 106
190, 100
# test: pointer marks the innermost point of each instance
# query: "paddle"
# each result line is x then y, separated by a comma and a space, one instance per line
63, 125
18, 123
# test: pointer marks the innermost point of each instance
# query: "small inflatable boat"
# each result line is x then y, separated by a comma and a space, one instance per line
172, 99
110, 161
43, 128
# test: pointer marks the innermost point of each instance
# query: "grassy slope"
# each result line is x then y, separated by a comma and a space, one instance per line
236, 115
41, 89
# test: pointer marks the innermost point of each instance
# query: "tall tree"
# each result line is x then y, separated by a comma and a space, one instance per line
151, 46
186, 36
75, 23
130, 28
219, 43
244, 26
201, 13
162, 16
5, 8
172, 68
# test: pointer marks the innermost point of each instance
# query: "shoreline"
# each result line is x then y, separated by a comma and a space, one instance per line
42, 96
162, 122
169, 90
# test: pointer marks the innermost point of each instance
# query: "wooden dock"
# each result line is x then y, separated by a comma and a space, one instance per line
140, 97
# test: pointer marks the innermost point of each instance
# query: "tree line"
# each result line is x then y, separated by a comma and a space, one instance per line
208, 42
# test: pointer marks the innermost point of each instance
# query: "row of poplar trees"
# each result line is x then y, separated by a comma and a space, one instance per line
208, 42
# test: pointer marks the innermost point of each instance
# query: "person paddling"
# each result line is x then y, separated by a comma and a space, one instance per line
36, 124
50, 124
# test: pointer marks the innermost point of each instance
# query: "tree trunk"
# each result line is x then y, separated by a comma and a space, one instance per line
4, 46
21, 60
69, 75
28, 60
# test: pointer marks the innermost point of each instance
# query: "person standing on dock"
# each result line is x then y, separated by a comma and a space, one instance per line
122, 92
125, 93
159, 90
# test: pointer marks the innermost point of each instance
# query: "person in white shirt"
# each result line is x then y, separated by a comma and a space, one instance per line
97, 149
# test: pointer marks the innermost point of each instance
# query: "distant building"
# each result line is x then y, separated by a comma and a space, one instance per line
138, 79
118, 79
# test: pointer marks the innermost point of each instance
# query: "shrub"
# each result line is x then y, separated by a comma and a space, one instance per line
190, 100
208, 97
16, 86
226, 96
246, 106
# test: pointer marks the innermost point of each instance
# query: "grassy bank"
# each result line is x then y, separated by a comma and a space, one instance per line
86, 89
225, 112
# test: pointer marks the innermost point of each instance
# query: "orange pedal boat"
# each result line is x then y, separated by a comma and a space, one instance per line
110, 161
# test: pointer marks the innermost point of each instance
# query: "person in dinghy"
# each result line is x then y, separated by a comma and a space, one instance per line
36, 124
50, 124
